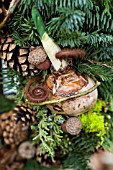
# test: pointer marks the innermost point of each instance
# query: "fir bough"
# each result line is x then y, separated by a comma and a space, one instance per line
96, 70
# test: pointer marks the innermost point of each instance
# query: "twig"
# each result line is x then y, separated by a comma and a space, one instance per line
99, 63
10, 11
66, 98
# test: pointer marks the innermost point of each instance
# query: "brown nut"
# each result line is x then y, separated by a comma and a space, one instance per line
44, 65
72, 126
26, 150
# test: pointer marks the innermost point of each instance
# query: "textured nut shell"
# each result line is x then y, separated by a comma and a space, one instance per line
78, 105
37, 55
72, 126
26, 150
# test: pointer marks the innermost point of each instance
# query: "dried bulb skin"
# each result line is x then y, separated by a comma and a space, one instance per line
70, 84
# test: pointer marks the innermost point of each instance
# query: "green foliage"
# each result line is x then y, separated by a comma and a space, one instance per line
24, 32
82, 150
66, 17
106, 91
101, 39
98, 106
96, 70
93, 123
63, 18
66, 38
6, 104
85, 24
77, 161
33, 165
47, 132
13, 82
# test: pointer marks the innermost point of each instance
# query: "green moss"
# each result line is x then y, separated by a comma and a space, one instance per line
93, 122
98, 106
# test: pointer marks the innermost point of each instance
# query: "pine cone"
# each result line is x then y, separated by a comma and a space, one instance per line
16, 57
45, 160
10, 159
14, 133
24, 113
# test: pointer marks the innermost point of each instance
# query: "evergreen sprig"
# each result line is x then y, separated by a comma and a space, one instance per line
63, 19
47, 132
106, 91
66, 38
78, 158
23, 31
96, 70
13, 83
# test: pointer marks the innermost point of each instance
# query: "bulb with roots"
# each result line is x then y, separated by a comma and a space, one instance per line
69, 83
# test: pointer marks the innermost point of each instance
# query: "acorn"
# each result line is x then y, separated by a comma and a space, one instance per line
38, 58
26, 150
72, 126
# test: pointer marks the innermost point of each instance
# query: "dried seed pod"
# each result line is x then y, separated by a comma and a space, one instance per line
26, 150
35, 94
72, 126
71, 53
37, 55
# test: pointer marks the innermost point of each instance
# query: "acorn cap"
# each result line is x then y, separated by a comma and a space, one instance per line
72, 126
37, 55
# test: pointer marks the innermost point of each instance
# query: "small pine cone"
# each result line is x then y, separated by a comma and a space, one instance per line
16, 57
13, 134
16, 166
10, 159
45, 160
23, 113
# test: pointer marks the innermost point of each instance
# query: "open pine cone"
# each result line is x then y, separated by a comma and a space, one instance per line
15, 57
14, 132
10, 159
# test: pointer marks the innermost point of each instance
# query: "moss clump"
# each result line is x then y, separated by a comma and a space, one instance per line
98, 106
93, 121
